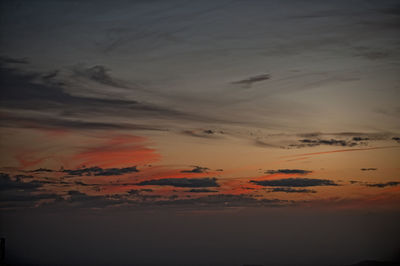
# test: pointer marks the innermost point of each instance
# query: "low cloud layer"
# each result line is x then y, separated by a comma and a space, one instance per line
249, 81
291, 190
98, 171
288, 171
182, 182
294, 182
382, 185
201, 190
328, 142
196, 169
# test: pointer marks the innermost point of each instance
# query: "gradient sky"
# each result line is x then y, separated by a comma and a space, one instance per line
244, 130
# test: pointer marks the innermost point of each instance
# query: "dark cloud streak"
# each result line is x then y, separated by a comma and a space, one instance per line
181, 182
294, 182
288, 171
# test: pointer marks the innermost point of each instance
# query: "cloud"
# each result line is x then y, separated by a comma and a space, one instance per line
360, 139
249, 81
294, 182
264, 144
82, 200
6, 183
196, 169
19, 194
39, 121
200, 134
10, 60
42, 170
223, 200
56, 103
355, 136
201, 190
317, 142
336, 151
369, 169
288, 171
98, 171
382, 185
182, 182
97, 73
24, 199
81, 183
291, 190
343, 139
21, 177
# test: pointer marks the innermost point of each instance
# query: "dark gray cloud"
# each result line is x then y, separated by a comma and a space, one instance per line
97, 73
342, 139
288, 171
98, 171
201, 190
291, 190
80, 183
249, 81
134, 199
21, 177
223, 200
382, 185
19, 194
294, 182
330, 142
42, 170
83, 200
369, 169
264, 144
10, 60
360, 139
11, 120
6, 183
200, 134
22, 199
196, 169
31, 91
208, 131
182, 182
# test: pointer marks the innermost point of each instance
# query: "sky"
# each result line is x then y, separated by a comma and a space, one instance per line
232, 132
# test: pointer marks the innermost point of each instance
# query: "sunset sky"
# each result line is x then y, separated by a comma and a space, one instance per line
253, 126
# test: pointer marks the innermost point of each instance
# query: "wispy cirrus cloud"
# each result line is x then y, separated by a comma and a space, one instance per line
65, 101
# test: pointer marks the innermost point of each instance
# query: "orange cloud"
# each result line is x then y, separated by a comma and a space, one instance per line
118, 151
29, 158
